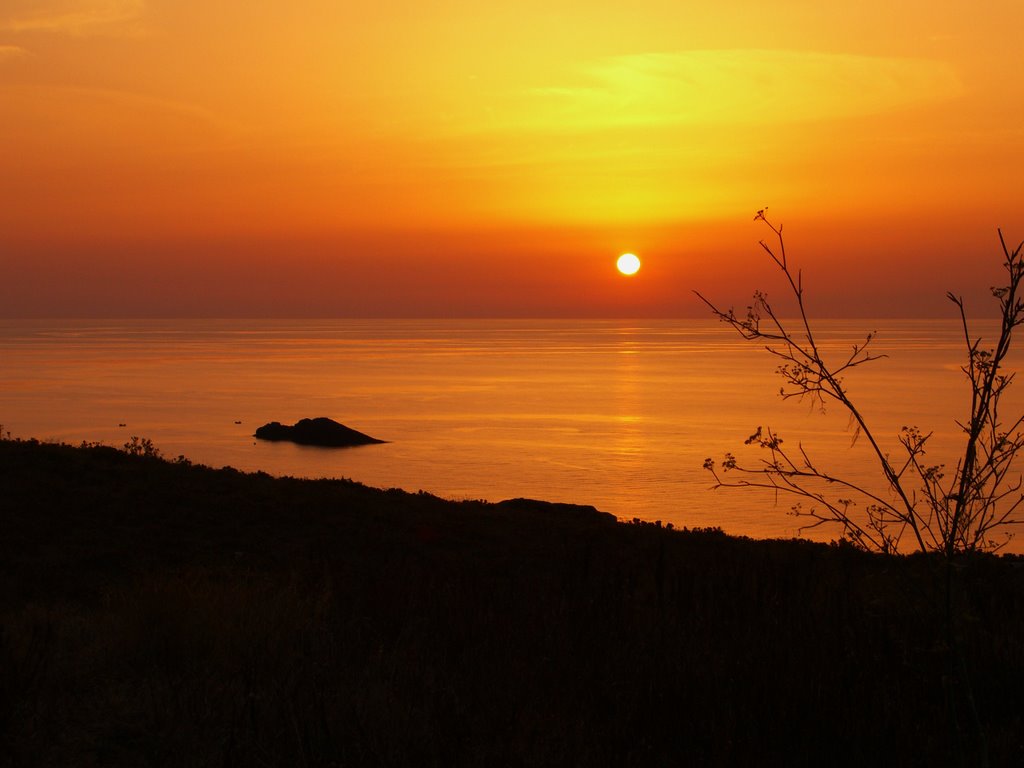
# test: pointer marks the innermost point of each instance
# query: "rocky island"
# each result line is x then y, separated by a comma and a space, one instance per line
322, 432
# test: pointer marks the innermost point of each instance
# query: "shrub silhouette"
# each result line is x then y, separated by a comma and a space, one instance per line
955, 517
141, 446
966, 510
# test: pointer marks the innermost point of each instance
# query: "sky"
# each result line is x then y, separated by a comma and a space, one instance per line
453, 158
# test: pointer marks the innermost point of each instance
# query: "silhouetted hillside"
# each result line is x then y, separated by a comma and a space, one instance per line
158, 613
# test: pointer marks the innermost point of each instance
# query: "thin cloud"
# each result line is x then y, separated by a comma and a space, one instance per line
728, 87
88, 119
11, 51
76, 17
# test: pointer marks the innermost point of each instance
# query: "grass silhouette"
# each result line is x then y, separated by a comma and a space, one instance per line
160, 613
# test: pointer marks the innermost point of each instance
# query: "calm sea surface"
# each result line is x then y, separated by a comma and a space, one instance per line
618, 414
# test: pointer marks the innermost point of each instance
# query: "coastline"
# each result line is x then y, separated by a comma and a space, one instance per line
618, 414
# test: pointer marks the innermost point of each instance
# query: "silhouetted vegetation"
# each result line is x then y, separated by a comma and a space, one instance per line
158, 613
954, 518
962, 513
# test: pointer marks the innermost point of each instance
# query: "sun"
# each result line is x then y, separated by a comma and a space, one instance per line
628, 264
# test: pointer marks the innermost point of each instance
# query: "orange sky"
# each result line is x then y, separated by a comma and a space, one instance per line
402, 158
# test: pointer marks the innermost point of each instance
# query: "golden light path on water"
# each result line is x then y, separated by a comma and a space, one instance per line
620, 415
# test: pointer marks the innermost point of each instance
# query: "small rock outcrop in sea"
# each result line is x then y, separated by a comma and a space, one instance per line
322, 432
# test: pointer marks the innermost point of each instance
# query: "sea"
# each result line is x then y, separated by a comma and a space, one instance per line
616, 414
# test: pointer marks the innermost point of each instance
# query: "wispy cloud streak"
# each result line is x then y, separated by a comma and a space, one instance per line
76, 17
725, 87
11, 51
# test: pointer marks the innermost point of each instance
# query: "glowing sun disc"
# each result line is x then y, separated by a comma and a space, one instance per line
628, 264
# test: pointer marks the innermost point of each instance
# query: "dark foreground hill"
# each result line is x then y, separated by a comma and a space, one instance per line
156, 613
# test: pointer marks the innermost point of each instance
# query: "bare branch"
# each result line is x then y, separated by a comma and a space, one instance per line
981, 495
